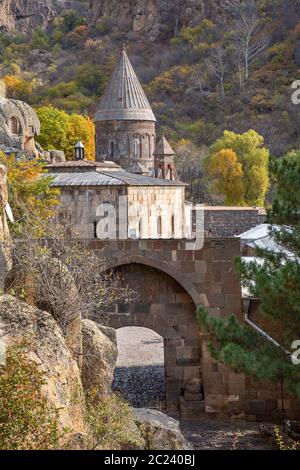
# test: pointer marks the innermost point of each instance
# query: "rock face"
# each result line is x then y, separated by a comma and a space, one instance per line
64, 307
155, 18
48, 348
19, 125
159, 430
99, 359
26, 15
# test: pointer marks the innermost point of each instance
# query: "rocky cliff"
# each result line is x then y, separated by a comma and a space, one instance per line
156, 18
26, 15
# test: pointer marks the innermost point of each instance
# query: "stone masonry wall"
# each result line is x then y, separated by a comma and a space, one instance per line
231, 221
145, 206
126, 141
177, 282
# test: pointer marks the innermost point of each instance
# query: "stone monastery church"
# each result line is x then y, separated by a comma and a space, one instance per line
130, 164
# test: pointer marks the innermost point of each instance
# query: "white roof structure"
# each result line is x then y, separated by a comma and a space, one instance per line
259, 237
260, 231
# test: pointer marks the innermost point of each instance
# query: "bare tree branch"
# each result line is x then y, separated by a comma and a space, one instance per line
217, 65
248, 34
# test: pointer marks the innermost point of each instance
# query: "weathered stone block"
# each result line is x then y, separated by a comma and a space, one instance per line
193, 396
191, 409
256, 406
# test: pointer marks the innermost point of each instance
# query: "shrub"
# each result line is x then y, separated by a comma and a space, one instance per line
112, 424
17, 88
27, 421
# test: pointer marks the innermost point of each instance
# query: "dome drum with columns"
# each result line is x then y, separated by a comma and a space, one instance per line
126, 126
126, 141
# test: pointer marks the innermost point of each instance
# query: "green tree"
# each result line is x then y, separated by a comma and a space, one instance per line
39, 40
253, 157
275, 283
90, 79
71, 19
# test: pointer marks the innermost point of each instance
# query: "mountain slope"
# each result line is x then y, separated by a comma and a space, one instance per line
173, 46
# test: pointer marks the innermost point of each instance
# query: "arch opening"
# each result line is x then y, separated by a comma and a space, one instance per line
163, 305
15, 126
140, 371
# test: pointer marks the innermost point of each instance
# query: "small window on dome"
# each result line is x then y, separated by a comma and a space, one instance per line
136, 148
112, 149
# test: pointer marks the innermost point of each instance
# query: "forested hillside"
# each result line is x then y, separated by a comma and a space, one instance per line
206, 66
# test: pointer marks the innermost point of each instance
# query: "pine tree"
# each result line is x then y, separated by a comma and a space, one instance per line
276, 284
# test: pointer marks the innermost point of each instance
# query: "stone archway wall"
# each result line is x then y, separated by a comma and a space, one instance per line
162, 304
207, 277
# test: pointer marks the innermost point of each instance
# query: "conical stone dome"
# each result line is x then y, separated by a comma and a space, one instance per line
124, 99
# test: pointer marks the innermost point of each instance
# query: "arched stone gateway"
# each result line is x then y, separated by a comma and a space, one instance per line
171, 281
162, 304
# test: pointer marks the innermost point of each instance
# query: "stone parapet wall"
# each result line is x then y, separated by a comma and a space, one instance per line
231, 221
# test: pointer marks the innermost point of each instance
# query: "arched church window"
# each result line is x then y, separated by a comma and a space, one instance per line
136, 148
172, 226
112, 149
159, 226
149, 145
153, 144
14, 126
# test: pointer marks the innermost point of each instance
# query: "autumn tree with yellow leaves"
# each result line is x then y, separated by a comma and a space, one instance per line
61, 131
227, 174
17, 88
237, 167
30, 195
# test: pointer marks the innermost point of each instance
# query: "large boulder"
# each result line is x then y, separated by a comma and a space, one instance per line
99, 359
48, 348
64, 306
159, 430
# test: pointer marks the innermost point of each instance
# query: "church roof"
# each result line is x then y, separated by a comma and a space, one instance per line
82, 165
163, 147
124, 98
106, 178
